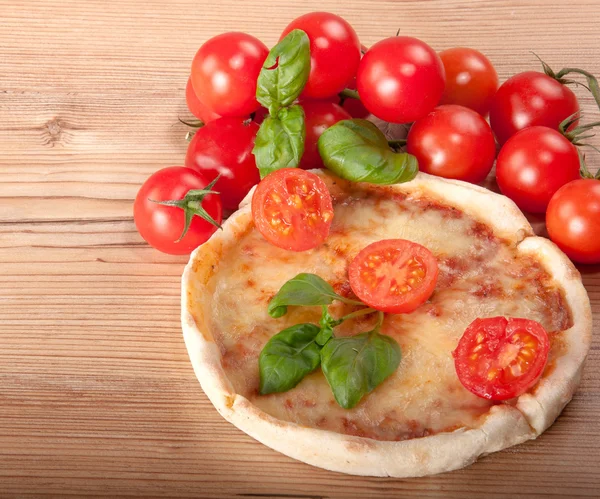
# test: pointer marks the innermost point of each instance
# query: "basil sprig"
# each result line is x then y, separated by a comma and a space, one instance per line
327, 324
353, 366
304, 290
288, 357
285, 72
280, 141
358, 151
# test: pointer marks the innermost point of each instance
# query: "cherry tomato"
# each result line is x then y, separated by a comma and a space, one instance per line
499, 358
453, 142
161, 226
400, 79
471, 80
197, 108
334, 52
354, 106
292, 209
224, 147
533, 165
393, 275
573, 220
224, 73
318, 116
260, 115
530, 99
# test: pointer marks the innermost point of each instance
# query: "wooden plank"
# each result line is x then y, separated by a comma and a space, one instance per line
97, 396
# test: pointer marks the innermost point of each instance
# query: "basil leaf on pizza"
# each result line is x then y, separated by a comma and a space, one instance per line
288, 357
358, 151
303, 290
356, 365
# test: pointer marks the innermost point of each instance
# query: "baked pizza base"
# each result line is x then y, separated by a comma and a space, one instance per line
503, 426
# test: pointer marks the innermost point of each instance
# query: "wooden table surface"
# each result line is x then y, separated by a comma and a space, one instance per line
97, 396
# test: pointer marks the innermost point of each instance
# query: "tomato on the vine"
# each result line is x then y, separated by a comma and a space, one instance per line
471, 79
400, 79
197, 108
573, 220
534, 164
334, 52
163, 226
318, 116
224, 147
393, 275
453, 142
500, 358
292, 209
224, 73
530, 99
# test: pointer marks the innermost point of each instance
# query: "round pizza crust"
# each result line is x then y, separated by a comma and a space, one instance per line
505, 425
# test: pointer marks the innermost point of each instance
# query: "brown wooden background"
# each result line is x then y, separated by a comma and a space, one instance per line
96, 392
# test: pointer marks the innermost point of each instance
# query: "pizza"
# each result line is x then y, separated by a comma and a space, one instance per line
421, 419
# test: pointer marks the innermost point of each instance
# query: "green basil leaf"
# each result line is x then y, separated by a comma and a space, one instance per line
358, 151
284, 72
325, 334
304, 289
288, 357
327, 324
355, 365
280, 141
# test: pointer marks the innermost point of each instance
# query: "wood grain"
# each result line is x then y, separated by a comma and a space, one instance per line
97, 396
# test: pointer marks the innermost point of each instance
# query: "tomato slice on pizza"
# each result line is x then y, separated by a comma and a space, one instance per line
393, 275
500, 358
292, 209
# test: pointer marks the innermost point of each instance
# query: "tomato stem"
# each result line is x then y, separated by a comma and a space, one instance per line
193, 123
583, 169
191, 204
348, 93
560, 77
591, 81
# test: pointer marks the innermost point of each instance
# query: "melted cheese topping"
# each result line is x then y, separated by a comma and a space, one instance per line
480, 276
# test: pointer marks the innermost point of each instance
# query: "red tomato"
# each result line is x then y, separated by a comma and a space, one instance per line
453, 142
318, 116
573, 220
260, 115
196, 107
400, 79
334, 52
292, 209
161, 226
224, 73
500, 358
393, 275
530, 99
224, 147
354, 106
471, 80
533, 165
